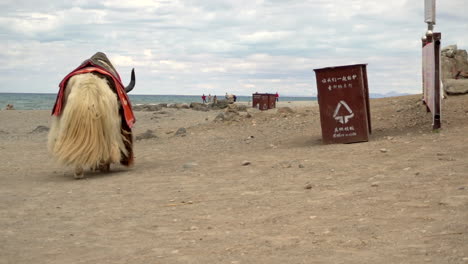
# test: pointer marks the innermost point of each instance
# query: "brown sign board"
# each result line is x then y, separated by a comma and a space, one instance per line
263, 101
431, 78
343, 98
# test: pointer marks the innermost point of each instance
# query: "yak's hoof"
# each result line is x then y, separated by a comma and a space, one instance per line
79, 173
104, 167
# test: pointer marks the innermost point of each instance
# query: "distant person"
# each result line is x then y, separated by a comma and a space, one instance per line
227, 96
277, 97
9, 107
234, 97
203, 98
215, 99
209, 98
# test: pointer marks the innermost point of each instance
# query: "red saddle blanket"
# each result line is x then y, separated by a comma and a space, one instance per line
87, 67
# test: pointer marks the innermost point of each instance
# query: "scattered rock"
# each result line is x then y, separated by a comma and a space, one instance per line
375, 184
147, 107
227, 116
40, 129
235, 108
308, 186
301, 166
146, 135
456, 86
454, 74
181, 132
246, 163
449, 51
384, 150
199, 107
219, 117
190, 165
179, 106
232, 108
242, 108
220, 104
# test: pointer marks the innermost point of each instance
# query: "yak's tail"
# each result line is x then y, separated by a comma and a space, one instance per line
88, 131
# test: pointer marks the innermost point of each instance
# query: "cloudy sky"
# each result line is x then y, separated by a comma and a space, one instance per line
218, 46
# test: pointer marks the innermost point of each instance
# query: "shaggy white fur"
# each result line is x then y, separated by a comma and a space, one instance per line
87, 133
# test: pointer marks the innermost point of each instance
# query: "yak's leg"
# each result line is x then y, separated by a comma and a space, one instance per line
104, 167
79, 174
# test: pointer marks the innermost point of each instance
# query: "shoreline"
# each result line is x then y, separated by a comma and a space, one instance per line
292, 104
24, 101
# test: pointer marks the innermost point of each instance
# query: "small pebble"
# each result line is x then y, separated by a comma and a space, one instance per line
383, 150
190, 165
375, 184
246, 163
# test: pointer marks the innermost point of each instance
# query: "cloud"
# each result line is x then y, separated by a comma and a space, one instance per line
240, 46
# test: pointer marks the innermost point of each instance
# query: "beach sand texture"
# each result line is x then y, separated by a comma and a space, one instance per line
262, 189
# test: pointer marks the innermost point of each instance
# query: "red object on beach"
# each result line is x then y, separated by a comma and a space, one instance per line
263, 101
343, 98
271, 101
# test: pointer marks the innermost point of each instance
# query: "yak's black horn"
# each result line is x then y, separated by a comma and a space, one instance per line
132, 83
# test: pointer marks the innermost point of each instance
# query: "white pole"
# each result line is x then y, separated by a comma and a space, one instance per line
430, 13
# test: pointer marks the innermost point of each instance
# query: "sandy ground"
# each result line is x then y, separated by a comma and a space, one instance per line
402, 197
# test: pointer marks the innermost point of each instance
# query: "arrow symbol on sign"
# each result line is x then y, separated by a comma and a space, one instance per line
343, 119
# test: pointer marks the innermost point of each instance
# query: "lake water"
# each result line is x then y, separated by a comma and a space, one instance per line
42, 101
